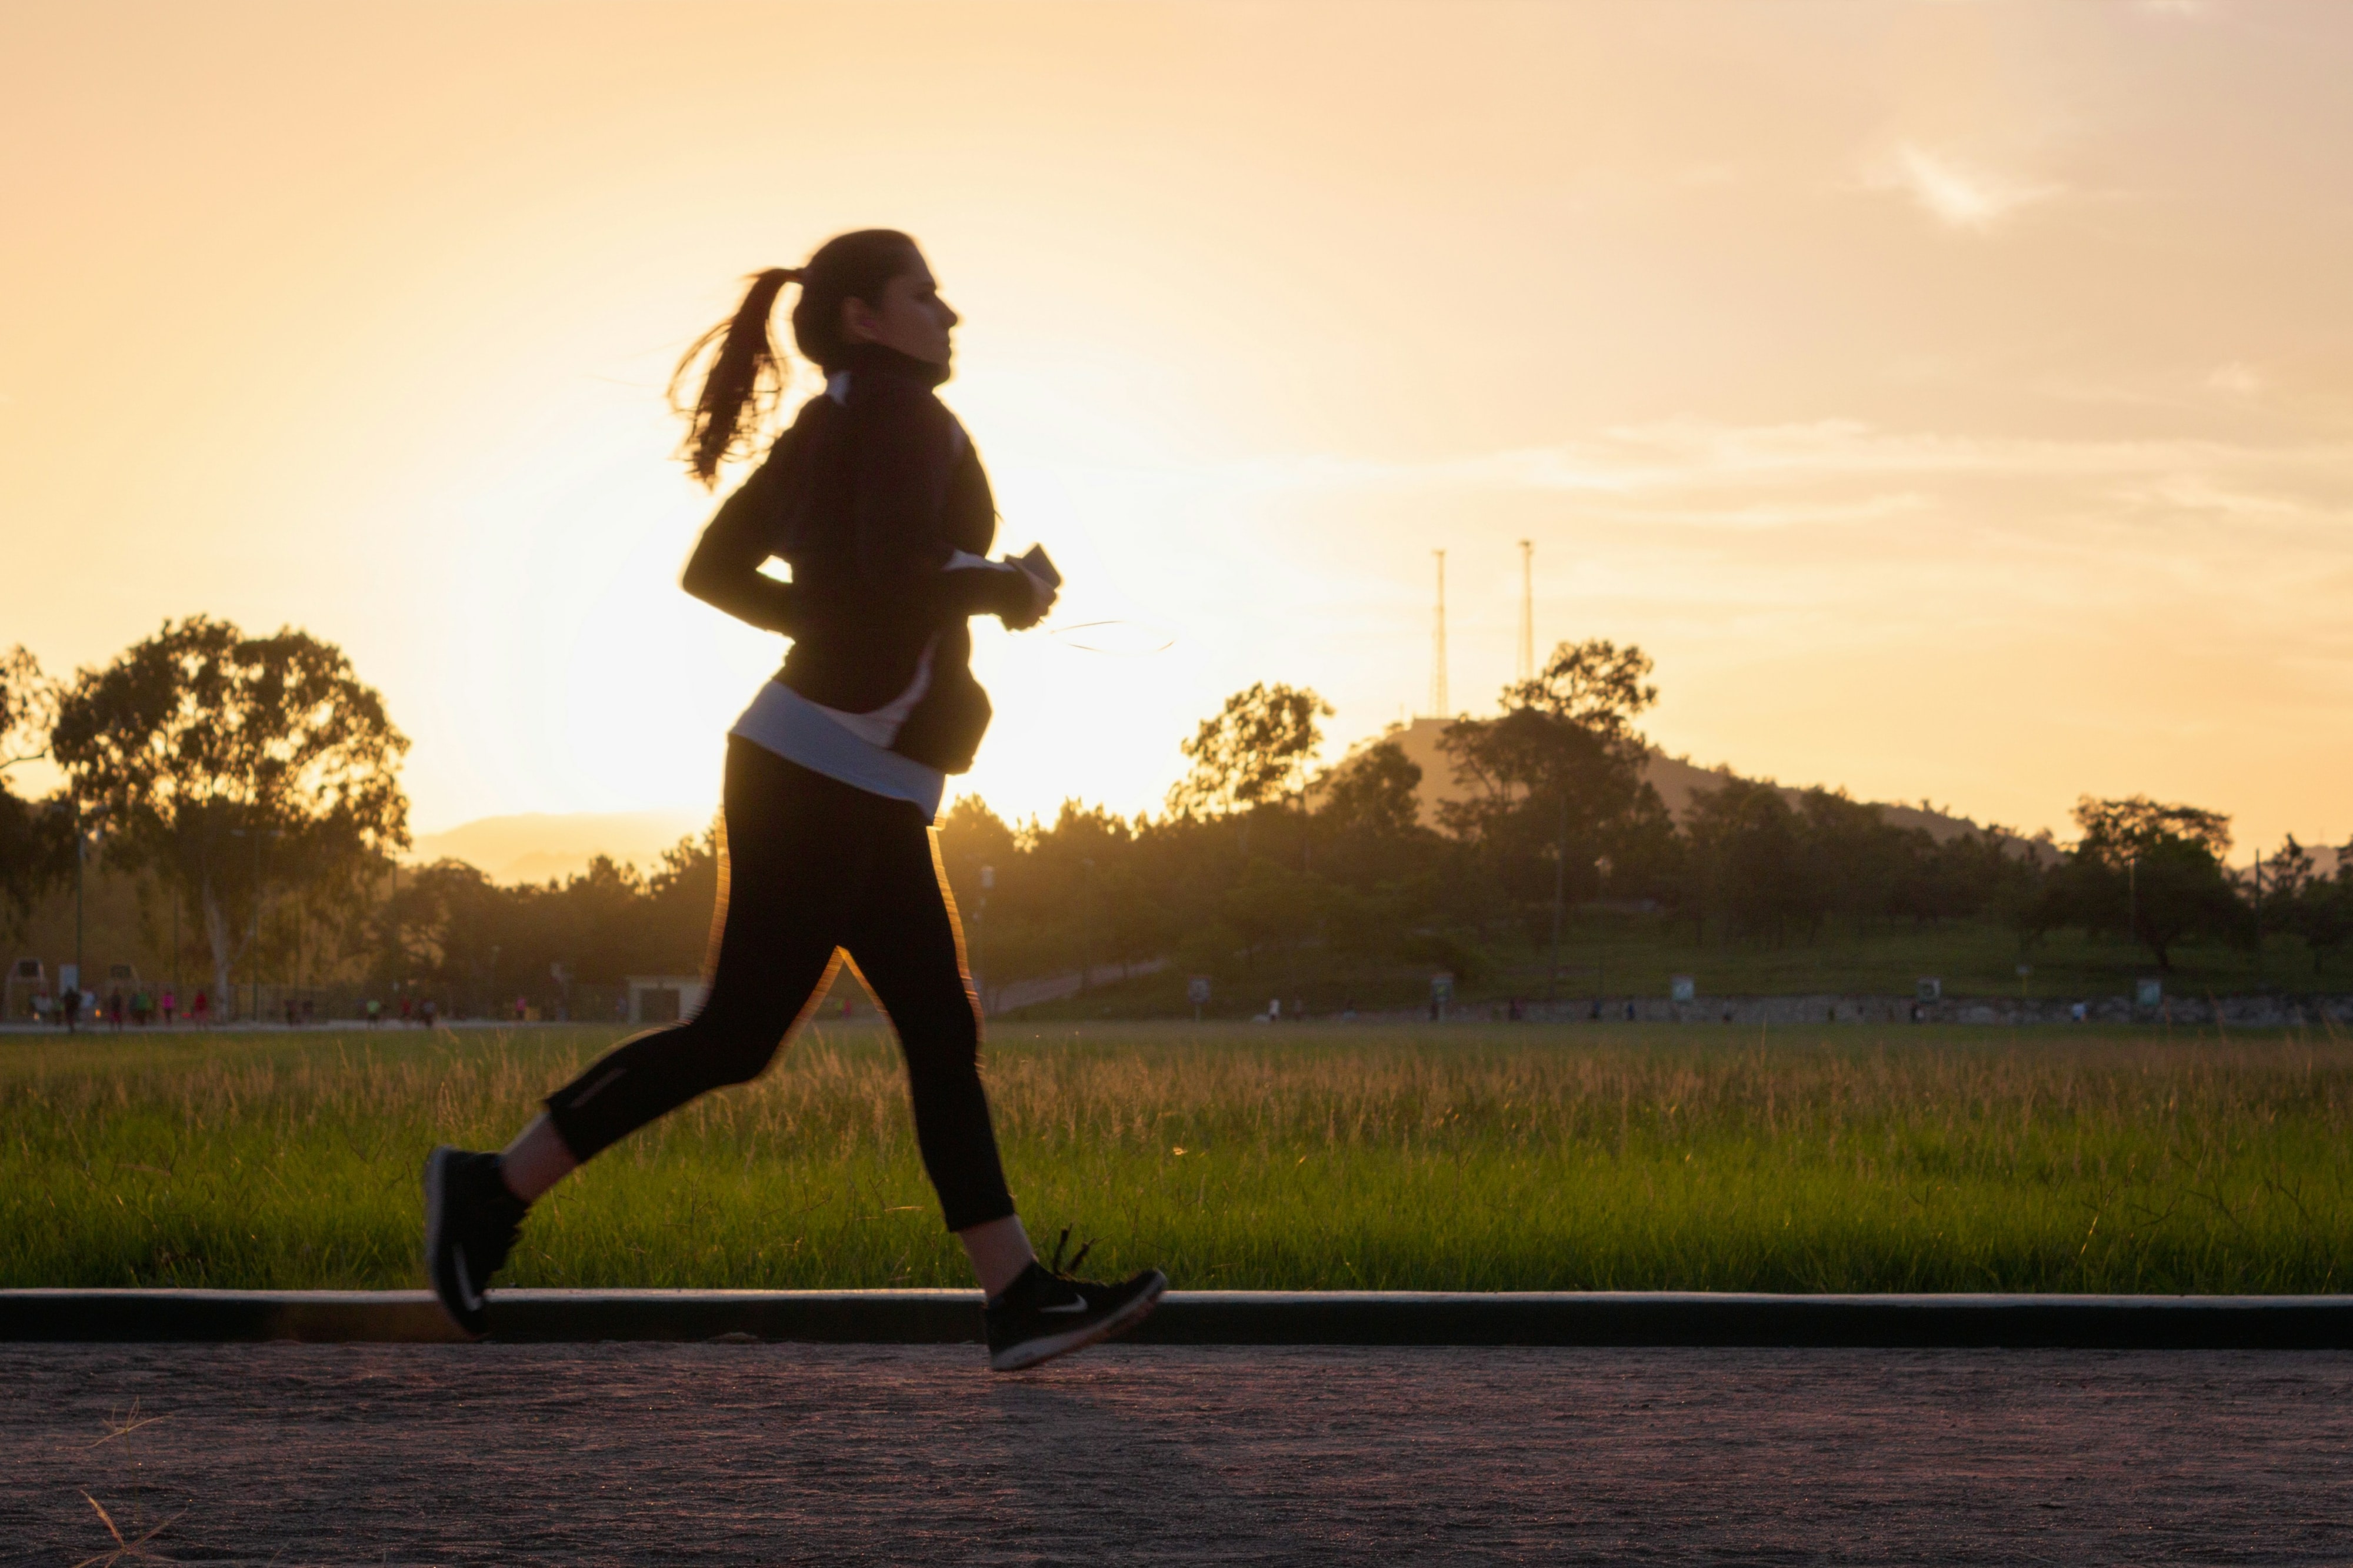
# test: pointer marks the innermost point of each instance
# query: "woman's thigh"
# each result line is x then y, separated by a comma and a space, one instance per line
794, 864
903, 931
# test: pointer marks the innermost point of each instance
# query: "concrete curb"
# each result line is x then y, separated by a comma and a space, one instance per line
1212, 1318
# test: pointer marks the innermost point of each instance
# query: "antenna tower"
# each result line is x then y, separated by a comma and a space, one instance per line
1438, 706
1527, 611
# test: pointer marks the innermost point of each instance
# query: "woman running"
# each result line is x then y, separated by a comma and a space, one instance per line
876, 499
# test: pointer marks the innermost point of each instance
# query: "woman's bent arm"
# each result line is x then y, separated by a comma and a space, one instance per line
725, 571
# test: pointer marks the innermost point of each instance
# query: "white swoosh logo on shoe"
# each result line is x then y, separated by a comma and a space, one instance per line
1079, 1306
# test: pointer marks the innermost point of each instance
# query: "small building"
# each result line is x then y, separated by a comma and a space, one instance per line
663, 998
26, 979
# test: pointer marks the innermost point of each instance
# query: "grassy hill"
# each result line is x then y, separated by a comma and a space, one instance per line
1612, 954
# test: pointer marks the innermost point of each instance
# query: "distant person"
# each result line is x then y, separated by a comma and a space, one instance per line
72, 999
427, 1012
200, 1010
374, 1012
115, 1008
877, 501
171, 1004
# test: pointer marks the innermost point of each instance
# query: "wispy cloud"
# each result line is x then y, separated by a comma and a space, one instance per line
2237, 379
1684, 455
1957, 194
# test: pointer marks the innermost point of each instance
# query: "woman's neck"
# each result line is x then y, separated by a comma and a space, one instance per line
882, 357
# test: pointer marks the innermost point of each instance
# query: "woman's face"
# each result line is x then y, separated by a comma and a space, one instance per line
911, 317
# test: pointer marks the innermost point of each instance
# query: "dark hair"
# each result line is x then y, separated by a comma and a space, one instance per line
746, 373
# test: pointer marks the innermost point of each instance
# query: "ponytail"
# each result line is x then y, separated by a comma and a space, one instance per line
746, 373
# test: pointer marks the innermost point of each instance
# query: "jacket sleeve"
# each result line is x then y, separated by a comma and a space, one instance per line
724, 570
903, 450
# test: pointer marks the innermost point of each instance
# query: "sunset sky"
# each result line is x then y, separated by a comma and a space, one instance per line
1955, 399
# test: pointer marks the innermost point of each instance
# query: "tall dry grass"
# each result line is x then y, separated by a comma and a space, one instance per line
1496, 1157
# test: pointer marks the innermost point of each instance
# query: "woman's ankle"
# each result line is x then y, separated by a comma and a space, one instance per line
535, 1161
999, 1250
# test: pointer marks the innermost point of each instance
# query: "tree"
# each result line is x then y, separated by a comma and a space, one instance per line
1594, 685
2151, 871
1256, 750
36, 836
1557, 779
1271, 908
1748, 859
2318, 909
1372, 794
224, 764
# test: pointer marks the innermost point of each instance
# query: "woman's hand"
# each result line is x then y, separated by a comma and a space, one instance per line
1043, 595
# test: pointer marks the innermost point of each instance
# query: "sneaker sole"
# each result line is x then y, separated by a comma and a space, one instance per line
436, 1190
1031, 1352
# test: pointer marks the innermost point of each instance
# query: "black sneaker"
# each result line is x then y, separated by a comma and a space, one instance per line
1045, 1312
471, 1222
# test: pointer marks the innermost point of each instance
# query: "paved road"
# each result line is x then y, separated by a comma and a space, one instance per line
776, 1453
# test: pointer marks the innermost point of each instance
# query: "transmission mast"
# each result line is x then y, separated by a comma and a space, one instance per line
1527, 611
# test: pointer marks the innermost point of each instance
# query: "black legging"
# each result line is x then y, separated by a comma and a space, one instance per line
813, 865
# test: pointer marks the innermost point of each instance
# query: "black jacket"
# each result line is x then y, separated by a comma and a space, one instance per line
866, 500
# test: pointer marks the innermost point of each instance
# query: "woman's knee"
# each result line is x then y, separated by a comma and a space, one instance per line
729, 1049
946, 1051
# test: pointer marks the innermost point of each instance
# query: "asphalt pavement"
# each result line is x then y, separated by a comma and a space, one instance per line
752, 1453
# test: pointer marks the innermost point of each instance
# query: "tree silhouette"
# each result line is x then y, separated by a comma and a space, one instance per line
1372, 794
36, 836
1594, 685
1257, 749
1556, 781
2151, 871
224, 762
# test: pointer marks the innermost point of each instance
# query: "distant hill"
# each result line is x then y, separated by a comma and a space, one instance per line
1677, 779
536, 846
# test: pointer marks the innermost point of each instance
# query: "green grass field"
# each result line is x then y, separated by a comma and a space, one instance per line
1491, 1157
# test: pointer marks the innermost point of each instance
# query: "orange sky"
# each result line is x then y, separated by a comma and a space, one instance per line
1955, 399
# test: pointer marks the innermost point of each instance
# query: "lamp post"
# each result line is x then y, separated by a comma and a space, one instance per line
2132, 898
392, 911
1086, 927
2259, 919
85, 829
81, 853
1601, 870
1559, 894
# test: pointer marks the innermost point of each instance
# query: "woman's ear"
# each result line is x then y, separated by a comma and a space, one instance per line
858, 320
